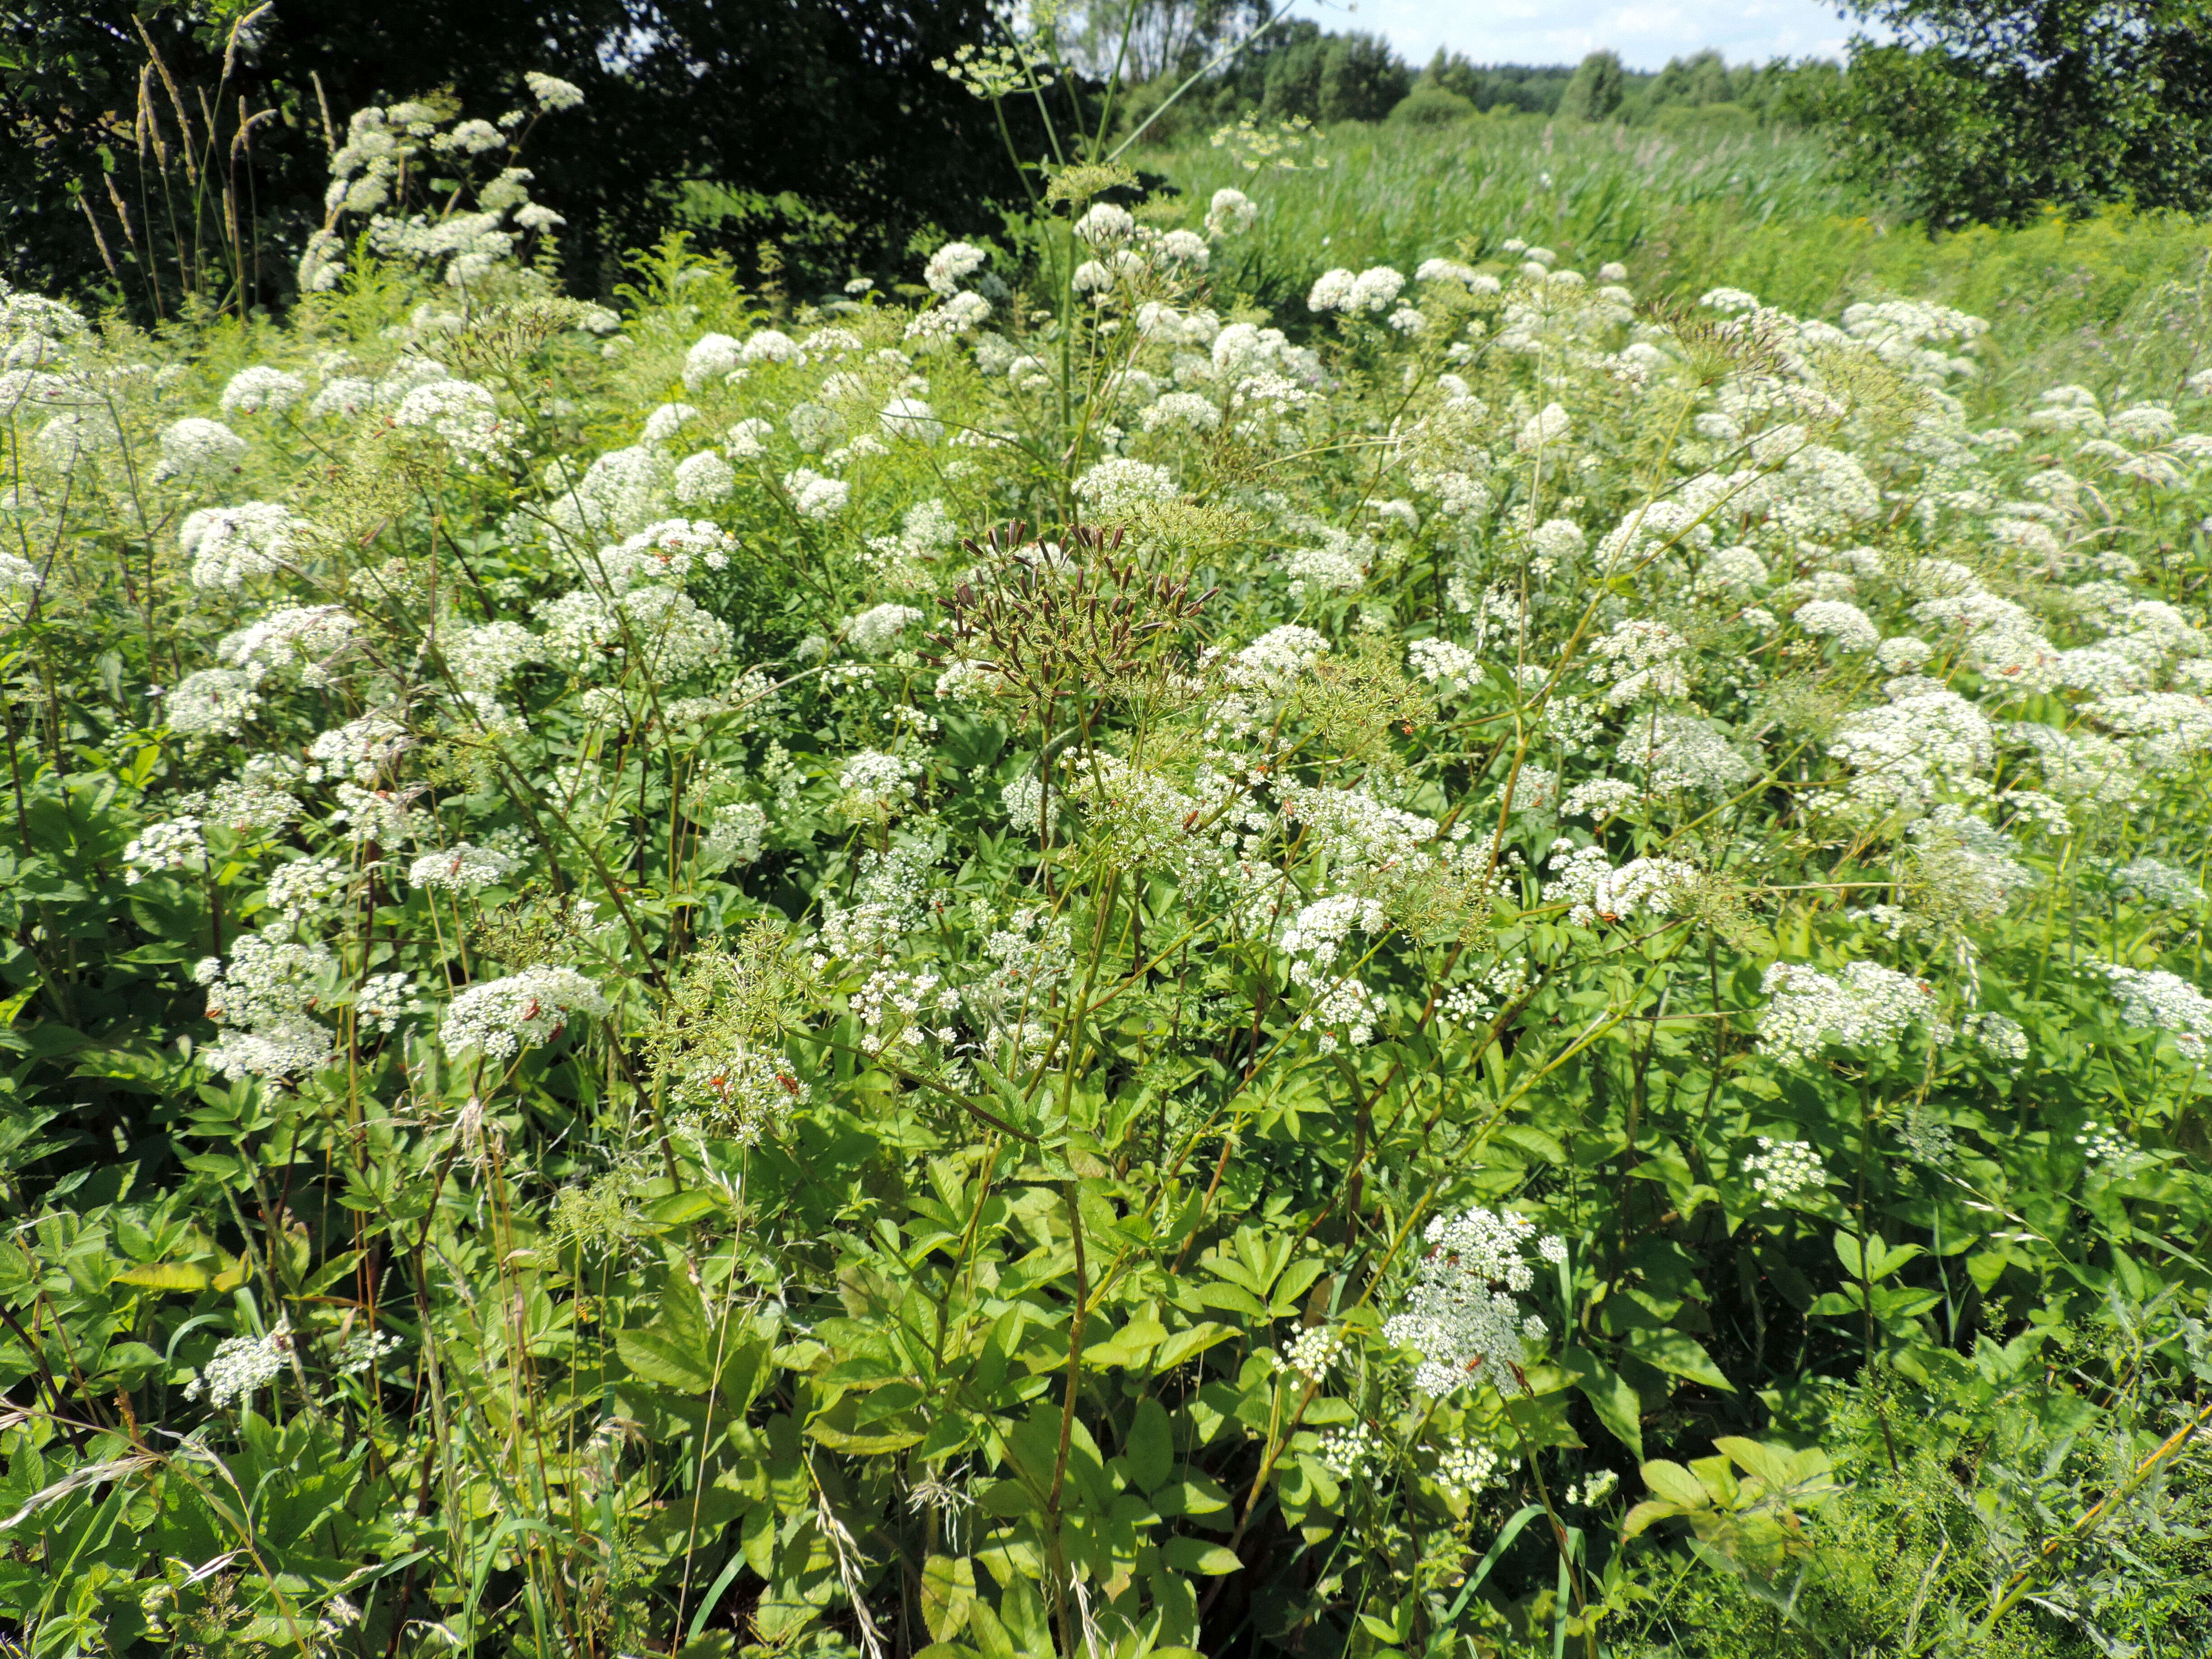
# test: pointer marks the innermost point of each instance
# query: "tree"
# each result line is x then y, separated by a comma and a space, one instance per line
815, 109
1595, 93
1361, 79
1149, 38
1991, 108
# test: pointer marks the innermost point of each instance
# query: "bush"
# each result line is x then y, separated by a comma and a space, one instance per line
1430, 106
1042, 968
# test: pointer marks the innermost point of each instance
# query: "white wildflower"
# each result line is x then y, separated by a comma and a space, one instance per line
1460, 1314
501, 1017
1783, 1170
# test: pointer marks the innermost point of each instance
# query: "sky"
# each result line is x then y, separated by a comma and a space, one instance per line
1645, 32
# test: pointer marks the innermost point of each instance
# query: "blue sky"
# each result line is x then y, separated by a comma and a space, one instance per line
1645, 32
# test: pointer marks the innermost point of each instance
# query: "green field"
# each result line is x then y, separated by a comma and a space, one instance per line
2110, 301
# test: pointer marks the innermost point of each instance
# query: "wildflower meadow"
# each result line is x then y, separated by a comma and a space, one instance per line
1045, 963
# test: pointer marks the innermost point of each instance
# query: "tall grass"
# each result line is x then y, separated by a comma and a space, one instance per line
1397, 195
2115, 300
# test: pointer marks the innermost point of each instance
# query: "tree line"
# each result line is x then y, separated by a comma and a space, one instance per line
191, 137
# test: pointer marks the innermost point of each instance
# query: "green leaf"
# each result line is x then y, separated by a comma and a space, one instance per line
179, 1276
1675, 1484
1679, 1355
1770, 1463
1185, 1345
1021, 1610
1196, 1555
1232, 1298
1127, 1347
1617, 1404
948, 1595
658, 1355
864, 1445
1149, 1454
679, 1207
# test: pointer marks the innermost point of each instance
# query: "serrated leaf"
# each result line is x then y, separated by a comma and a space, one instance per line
1675, 1484
948, 1595
658, 1355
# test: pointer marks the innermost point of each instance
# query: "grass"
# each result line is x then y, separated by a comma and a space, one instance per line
2110, 301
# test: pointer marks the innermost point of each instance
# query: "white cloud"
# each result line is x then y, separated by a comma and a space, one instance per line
1645, 35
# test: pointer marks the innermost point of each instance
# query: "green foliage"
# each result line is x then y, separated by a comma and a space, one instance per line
1294, 70
1594, 191
1530, 89
124, 169
1026, 968
1430, 104
2000, 107
1595, 91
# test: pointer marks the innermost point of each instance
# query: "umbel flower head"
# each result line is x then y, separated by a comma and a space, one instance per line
1461, 1315
501, 1017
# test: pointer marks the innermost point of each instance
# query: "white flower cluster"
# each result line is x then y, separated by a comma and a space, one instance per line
265, 994
460, 869
1783, 1169
1846, 623
197, 448
1024, 798
303, 636
1349, 1451
1461, 1315
1863, 1007
460, 413
500, 1017
740, 1093
228, 544
1116, 488
213, 702
1640, 658
262, 389
1441, 662
888, 897
242, 1367
176, 844
815, 496
1369, 293
2159, 883
2106, 1147
1600, 798
1314, 1351
1472, 1469
876, 782
1274, 662
736, 834
2152, 999
1901, 756
304, 890
891, 1006
874, 630
1595, 891
1338, 1003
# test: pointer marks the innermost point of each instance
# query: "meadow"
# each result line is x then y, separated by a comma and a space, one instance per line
1361, 912
1712, 200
